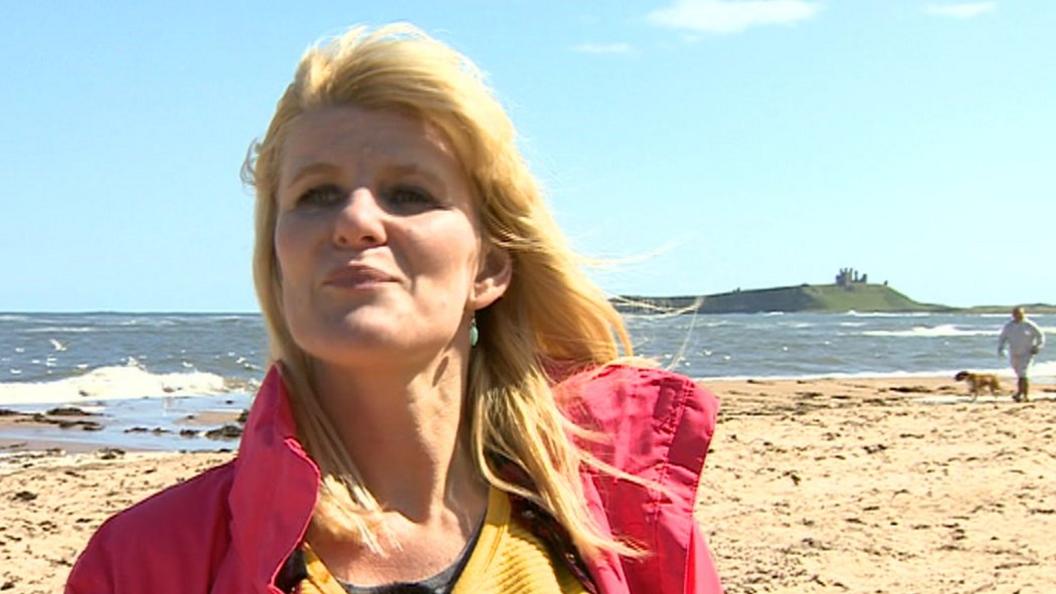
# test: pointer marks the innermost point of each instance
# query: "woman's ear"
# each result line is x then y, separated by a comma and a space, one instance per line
493, 277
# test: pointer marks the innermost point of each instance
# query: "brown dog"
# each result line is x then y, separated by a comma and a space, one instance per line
978, 381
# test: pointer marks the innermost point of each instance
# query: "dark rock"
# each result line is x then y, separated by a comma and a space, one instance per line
225, 432
24, 496
110, 453
85, 425
243, 417
70, 411
188, 433
911, 390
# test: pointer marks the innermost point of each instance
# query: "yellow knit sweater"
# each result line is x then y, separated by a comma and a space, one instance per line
507, 559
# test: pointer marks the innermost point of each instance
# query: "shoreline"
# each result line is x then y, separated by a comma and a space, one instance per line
811, 485
77, 429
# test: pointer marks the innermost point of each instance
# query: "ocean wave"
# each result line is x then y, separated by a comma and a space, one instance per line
852, 324
943, 330
147, 322
886, 314
1043, 370
65, 329
115, 382
13, 318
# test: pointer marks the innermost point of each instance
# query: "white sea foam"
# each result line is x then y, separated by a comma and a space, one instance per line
1044, 371
887, 314
66, 329
942, 330
113, 382
151, 323
852, 324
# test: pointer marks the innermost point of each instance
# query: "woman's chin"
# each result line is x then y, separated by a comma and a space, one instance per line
367, 347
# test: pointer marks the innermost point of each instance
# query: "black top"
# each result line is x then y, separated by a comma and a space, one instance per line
441, 583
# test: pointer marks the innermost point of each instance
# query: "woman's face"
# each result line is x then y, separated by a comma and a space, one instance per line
377, 241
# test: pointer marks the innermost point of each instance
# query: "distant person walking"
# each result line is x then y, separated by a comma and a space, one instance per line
1024, 339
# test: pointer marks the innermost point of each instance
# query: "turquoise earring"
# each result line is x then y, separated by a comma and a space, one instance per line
474, 334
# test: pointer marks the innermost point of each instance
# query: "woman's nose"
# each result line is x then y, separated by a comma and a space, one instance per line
360, 222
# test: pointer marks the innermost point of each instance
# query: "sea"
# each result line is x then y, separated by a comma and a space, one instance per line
147, 375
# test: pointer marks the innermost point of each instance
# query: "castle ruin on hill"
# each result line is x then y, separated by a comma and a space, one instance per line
850, 276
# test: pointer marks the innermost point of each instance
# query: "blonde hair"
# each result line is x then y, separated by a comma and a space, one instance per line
550, 314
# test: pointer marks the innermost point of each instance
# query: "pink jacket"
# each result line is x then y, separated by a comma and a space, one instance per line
230, 529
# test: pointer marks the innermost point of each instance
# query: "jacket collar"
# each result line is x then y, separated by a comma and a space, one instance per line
275, 486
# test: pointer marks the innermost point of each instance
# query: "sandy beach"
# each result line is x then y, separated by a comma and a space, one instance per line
879, 485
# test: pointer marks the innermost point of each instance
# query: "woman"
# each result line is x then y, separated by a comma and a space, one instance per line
445, 412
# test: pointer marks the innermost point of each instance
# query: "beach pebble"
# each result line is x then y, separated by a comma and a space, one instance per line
24, 496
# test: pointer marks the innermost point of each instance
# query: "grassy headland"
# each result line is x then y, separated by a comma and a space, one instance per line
831, 298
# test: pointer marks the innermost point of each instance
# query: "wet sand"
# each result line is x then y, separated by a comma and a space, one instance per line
77, 429
892, 485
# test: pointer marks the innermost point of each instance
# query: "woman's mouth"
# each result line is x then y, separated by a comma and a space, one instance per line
357, 276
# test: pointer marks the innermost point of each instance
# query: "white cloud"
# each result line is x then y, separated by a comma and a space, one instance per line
603, 48
731, 16
961, 10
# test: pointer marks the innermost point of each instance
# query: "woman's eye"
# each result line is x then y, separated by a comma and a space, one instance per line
410, 197
321, 196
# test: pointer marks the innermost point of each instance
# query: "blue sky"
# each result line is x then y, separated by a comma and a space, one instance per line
701, 145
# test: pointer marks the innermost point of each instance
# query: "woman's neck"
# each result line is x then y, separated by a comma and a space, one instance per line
401, 428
